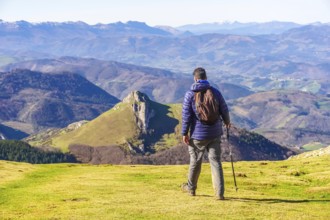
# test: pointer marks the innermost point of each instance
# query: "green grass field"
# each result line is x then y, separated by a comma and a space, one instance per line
292, 189
103, 133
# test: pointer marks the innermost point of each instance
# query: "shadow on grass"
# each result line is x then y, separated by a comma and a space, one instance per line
203, 196
270, 200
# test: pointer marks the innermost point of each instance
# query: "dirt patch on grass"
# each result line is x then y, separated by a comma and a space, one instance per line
75, 200
323, 189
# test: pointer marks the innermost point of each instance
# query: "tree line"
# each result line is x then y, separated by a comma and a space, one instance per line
20, 151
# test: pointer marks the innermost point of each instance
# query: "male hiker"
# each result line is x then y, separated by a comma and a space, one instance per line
203, 108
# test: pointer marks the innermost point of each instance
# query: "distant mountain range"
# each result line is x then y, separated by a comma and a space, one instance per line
238, 28
76, 29
290, 118
31, 101
297, 58
119, 79
138, 43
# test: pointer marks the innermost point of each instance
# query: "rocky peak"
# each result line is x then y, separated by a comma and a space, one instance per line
74, 126
136, 96
143, 112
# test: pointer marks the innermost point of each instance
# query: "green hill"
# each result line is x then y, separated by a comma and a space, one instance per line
291, 189
140, 126
109, 127
137, 122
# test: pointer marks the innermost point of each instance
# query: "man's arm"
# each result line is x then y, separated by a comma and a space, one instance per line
223, 109
187, 113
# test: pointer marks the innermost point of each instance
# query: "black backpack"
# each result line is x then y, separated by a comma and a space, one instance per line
207, 107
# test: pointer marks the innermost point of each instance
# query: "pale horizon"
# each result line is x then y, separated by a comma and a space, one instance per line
216, 22
170, 13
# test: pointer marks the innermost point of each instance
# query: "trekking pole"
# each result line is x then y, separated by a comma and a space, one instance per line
231, 159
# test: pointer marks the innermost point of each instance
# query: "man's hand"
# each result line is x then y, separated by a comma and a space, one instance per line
228, 126
185, 139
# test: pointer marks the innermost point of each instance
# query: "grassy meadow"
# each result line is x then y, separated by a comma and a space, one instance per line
291, 189
119, 128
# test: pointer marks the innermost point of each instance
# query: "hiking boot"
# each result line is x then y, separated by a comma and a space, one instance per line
185, 188
219, 197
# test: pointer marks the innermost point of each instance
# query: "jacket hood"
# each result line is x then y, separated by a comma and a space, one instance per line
200, 85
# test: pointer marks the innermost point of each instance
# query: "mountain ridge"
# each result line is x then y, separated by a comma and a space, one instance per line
168, 52
249, 28
119, 79
291, 118
79, 27
295, 59
49, 100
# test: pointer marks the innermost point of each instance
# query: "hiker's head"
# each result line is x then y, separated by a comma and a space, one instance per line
199, 73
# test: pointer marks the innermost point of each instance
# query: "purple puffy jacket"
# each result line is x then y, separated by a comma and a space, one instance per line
190, 122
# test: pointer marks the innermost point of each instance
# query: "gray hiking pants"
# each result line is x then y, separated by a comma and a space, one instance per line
196, 150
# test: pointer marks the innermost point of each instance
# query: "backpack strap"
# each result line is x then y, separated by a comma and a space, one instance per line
199, 96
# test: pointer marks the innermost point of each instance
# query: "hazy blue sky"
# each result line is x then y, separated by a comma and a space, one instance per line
166, 12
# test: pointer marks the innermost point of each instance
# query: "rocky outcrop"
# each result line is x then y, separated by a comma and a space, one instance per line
43, 139
142, 110
75, 125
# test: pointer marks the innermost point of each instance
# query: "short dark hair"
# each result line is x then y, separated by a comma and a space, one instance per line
199, 73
